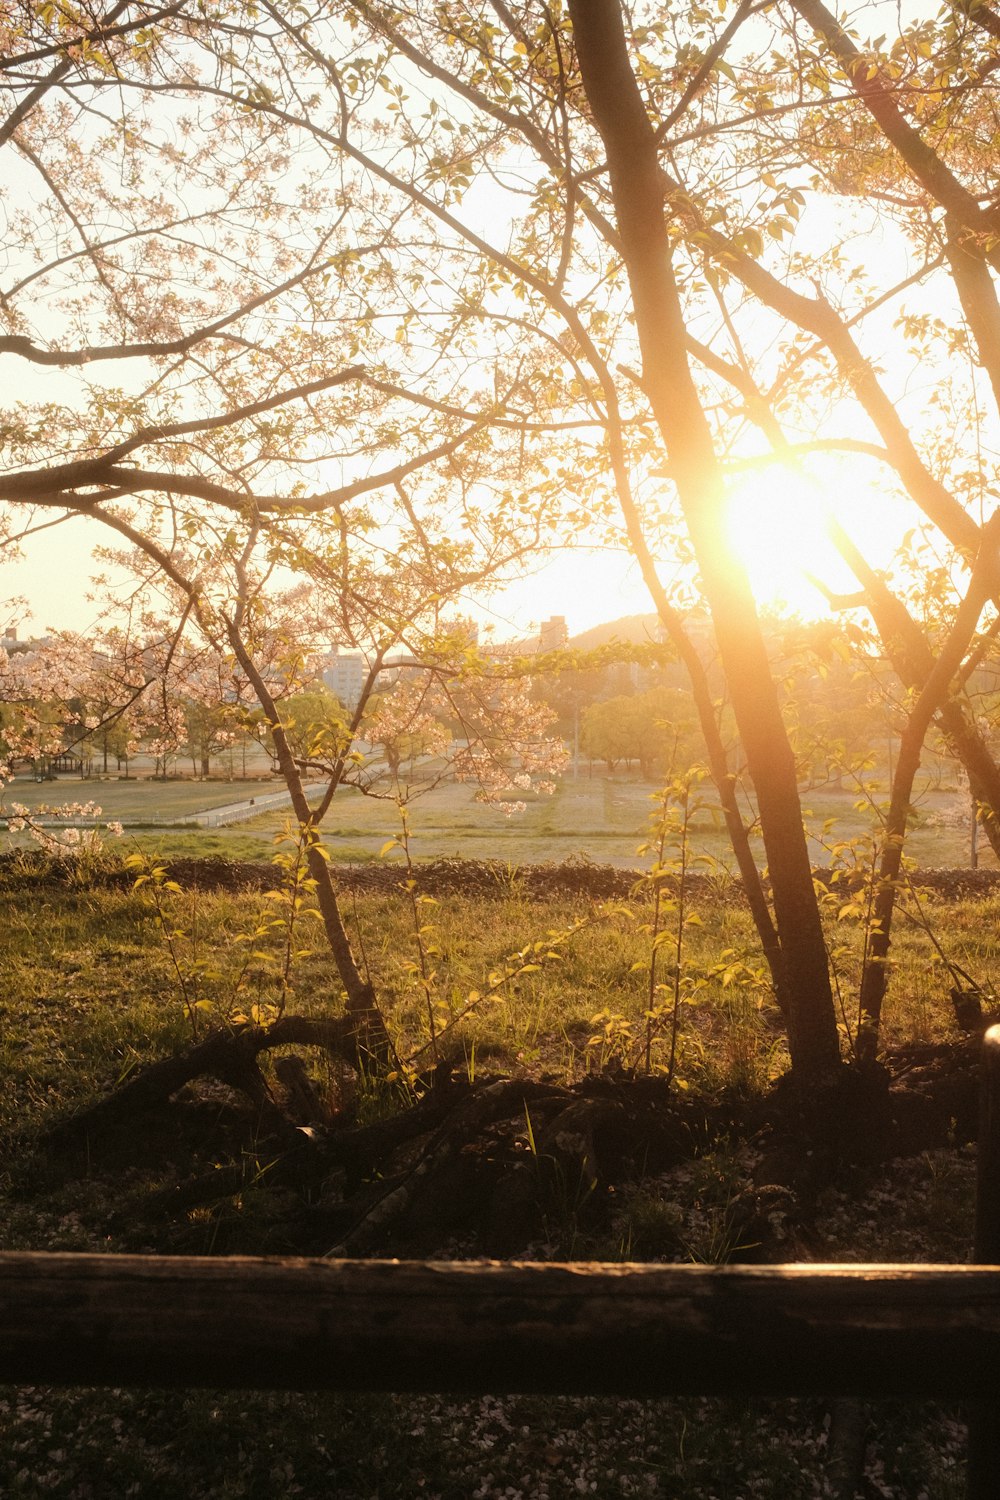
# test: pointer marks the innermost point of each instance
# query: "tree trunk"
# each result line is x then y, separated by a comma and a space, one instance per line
934, 693
912, 659
637, 189
374, 1046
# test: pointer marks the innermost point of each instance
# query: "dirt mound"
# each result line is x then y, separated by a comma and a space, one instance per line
466, 877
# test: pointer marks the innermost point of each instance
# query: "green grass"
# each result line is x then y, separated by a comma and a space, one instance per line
90, 987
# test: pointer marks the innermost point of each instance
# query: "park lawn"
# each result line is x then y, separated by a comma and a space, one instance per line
592, 817
137, 800
600, 818
602, 821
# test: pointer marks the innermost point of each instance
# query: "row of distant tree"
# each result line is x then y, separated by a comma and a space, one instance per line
839, 696
623, 713
102, 703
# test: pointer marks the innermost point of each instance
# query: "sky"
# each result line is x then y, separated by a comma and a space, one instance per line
777, 517
586, 586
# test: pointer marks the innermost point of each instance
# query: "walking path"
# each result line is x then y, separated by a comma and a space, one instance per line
242, 812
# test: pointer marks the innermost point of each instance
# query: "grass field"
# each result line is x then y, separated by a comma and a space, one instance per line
92, 990
136, 800
600, 818
91, 986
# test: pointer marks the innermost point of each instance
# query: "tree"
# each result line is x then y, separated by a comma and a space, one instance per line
652, 728
401, 726
110, 734
310, 715
837, 697
536, 271
45, 690
655, 160
570, 272
262, 310
604, 734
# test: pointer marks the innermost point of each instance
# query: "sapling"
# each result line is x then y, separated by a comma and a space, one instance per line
668, 877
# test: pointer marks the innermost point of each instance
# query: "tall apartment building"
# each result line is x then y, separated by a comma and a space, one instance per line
344, 674
553, 634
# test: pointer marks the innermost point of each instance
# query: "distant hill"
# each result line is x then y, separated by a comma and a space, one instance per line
635, 629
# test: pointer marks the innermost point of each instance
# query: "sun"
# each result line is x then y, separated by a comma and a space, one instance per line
777, 521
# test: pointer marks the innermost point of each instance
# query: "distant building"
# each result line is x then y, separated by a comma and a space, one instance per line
345, 676
10, 643
553, 634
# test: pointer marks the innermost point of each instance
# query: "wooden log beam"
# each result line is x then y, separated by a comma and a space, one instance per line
629, 1330
983, 1478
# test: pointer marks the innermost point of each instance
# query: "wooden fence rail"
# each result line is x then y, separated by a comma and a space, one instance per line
489, 1327
626, 1330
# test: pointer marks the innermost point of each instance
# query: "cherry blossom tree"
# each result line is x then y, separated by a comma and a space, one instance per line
43, 696
253, 371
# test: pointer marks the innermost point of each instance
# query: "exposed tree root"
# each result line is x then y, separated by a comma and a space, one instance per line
499, 1164
230, 1057
463, 1126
